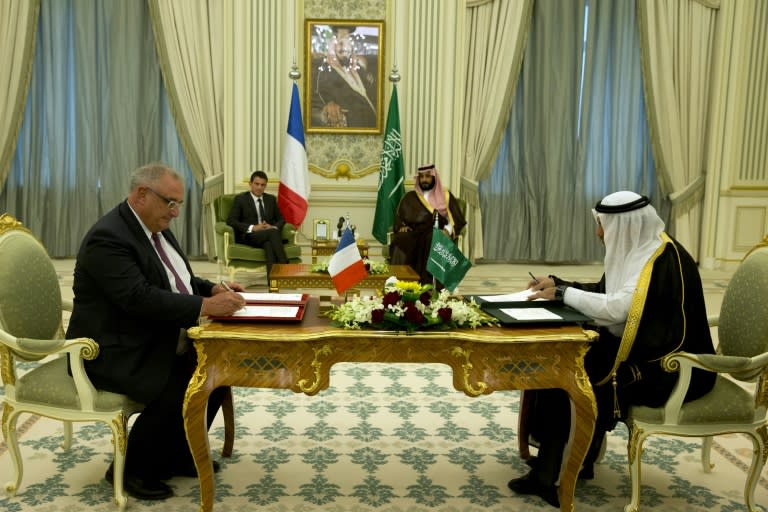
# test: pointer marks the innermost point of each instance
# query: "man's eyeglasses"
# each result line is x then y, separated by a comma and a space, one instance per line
172, 204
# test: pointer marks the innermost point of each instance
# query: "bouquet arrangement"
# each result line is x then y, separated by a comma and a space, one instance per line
373, 267
409, 306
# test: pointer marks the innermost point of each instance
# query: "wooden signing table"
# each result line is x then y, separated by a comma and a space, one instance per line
299, 356
300, 275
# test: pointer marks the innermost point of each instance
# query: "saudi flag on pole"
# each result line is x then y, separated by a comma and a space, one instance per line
446, 262
391, 174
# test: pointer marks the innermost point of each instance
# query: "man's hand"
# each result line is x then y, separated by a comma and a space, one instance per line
222, 304
544, 288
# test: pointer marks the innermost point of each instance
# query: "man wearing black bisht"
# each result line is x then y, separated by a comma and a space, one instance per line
415, 219
648, 303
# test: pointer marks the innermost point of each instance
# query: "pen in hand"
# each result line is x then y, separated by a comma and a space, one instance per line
536, 281
226, 286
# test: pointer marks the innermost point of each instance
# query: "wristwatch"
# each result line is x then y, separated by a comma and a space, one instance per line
560, 292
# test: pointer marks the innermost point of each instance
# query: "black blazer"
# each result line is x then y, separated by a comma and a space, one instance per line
124, 301
243, 213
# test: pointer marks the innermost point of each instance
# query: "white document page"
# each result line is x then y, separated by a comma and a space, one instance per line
271, 297
531, 314
268, 311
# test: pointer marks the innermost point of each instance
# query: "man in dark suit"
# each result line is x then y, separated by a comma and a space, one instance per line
257, 220
135, 294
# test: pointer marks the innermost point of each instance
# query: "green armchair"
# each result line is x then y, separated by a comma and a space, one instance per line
742, 355
234, 256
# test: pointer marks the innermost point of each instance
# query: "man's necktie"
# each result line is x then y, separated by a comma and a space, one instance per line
163, 256
262, 217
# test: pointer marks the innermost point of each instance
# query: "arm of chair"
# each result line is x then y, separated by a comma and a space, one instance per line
743, 368
222, 228
289, 233
77, 349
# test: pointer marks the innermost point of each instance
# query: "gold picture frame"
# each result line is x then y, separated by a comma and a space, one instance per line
321, 230
344, 60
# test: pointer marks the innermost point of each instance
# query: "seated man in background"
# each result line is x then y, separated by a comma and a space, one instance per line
135, 294
257, 220
415, 219
648, 303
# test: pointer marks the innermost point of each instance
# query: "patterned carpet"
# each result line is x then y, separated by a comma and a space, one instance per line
384, 438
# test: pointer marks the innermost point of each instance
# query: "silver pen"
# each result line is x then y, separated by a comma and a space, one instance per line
226, 286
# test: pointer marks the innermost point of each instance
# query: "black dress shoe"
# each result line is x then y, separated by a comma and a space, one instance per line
528, 484
587, 472
140, 488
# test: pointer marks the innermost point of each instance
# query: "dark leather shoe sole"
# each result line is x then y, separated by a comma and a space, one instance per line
140, 488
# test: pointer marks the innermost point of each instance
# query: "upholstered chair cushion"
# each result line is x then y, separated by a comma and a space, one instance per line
726, 403
51, 384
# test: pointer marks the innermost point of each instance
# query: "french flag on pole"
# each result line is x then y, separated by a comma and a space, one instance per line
346, 266
293, 192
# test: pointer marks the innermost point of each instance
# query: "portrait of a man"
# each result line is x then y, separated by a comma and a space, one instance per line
344, 76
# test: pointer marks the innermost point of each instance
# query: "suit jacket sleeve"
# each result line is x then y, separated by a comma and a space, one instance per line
243, 213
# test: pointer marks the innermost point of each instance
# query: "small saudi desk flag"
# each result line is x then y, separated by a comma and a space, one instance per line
446, 262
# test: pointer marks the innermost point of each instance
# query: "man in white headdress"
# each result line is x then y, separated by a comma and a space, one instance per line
415, 218
648, 303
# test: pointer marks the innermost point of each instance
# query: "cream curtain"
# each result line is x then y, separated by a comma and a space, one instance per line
677, 38
190, 60
191, 57
495, 41
18, 26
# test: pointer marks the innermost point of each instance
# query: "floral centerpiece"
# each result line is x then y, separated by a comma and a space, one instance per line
409, 306
373, 267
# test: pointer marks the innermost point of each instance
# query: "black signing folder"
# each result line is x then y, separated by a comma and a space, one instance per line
529, 311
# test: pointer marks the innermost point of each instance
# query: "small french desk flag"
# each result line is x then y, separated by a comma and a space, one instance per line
346, 266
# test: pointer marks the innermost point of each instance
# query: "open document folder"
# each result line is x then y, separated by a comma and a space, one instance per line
515, 308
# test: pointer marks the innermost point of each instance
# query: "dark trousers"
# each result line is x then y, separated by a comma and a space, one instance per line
271, 240
157, 442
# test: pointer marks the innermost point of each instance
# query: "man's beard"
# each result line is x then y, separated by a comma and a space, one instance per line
427, 186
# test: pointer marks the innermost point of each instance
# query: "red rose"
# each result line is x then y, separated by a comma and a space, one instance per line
445, 314
425, 298
412, 314
377, 316
390, 299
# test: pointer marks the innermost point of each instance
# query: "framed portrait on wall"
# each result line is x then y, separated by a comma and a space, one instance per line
344, 76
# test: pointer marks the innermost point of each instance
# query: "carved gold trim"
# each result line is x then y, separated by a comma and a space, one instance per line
455, 336
343, 168
7, 370
761, 394
323, 351
632, 442
121, 424
467, 369
199, 376
7, 411
763, 433
9, 222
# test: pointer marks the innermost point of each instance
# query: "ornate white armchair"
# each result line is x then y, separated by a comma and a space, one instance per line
31, 330
729, 407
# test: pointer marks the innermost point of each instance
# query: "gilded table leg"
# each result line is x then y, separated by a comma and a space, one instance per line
195, 425
584, 413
